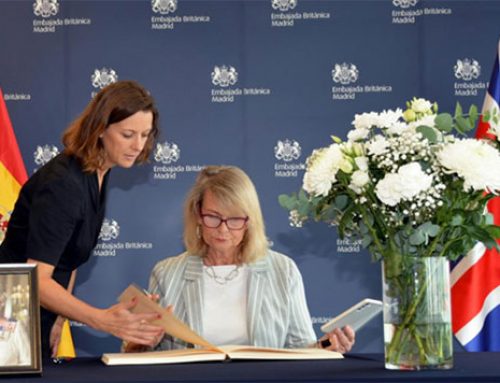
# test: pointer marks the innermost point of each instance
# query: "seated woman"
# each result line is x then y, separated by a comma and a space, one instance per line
229, 286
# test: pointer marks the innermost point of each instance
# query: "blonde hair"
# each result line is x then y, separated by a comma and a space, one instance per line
235, 191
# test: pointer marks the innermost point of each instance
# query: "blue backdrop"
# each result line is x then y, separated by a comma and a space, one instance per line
254, 83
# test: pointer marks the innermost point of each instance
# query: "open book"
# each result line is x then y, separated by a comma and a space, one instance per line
220, 353
176, 328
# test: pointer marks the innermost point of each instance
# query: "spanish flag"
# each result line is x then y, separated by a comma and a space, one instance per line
12, 171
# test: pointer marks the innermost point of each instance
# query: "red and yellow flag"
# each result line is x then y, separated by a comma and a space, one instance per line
12, 171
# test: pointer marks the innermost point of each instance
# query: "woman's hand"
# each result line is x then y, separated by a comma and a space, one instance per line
341, 340
135, 347
55, 335
120, 322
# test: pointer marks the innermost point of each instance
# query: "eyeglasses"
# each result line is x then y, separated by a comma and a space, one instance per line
232, 223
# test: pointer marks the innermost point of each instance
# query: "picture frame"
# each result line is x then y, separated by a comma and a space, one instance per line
20, 342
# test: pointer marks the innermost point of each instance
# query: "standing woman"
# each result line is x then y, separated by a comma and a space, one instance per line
57, 218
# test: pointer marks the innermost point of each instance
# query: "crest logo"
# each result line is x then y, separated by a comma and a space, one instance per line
109, 230
224, 76
345, 73
467, 69
284, 5
4, 221
287, 150
45, 8
44, 154
164, 6
404, 3
167, 153
103, 77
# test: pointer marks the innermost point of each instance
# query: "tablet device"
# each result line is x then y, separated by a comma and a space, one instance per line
356, 316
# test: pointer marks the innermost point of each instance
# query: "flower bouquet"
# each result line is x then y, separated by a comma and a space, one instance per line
413, 188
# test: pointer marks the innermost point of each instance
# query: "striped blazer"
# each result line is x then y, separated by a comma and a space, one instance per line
277, 310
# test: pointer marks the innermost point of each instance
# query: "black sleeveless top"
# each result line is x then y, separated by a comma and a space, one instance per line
56, 219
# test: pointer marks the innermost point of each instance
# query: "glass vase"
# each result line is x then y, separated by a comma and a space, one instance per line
417, 314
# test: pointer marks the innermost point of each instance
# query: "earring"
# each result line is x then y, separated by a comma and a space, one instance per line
198, 234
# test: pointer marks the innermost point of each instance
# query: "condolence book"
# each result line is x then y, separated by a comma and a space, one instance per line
209, 352
220, 353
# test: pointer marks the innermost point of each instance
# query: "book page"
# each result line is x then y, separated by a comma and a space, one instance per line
251, 352
162, 357
170, 323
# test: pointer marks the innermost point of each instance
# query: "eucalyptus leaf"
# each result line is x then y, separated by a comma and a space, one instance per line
457, 220
430, 229
444, 122
458, 110
341, 201
418, 237
473, 115
463, 125
366, 241
287, 202
428, 132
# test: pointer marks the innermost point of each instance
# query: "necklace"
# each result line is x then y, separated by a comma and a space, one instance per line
222, 280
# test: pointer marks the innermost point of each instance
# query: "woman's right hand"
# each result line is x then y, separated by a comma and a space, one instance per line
135, 347
120, 322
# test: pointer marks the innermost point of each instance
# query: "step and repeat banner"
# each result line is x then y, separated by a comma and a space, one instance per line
253, 83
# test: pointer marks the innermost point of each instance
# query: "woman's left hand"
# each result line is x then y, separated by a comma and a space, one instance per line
341, 340
55, 335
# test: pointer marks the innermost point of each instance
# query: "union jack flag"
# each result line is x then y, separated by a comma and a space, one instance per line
475, 280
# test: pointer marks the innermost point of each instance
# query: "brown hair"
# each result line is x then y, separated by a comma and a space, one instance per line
234, 190
112, 104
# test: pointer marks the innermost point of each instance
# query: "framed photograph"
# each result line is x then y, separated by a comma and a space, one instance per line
20, 350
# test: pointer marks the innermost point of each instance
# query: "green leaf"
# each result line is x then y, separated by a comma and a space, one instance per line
429, 229
428, 132
346, 219
482, 235
458, 110
463, 126
444, 122
341, 201
457, 220
287, 202
418, 237
363, 228
303, 210
366, 241
303, 196
489, 219
494, 231
330, 213
473, 115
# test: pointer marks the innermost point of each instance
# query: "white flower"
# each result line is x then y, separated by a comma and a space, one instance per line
427, 120
420, 105
414, 180
397, 128
409, 181
361, 163
475, 161
322, 168
365, 120
389, 117
357, 134
358, 180
388, 189
378, 145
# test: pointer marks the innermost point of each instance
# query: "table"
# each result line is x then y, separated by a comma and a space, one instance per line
468, 367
